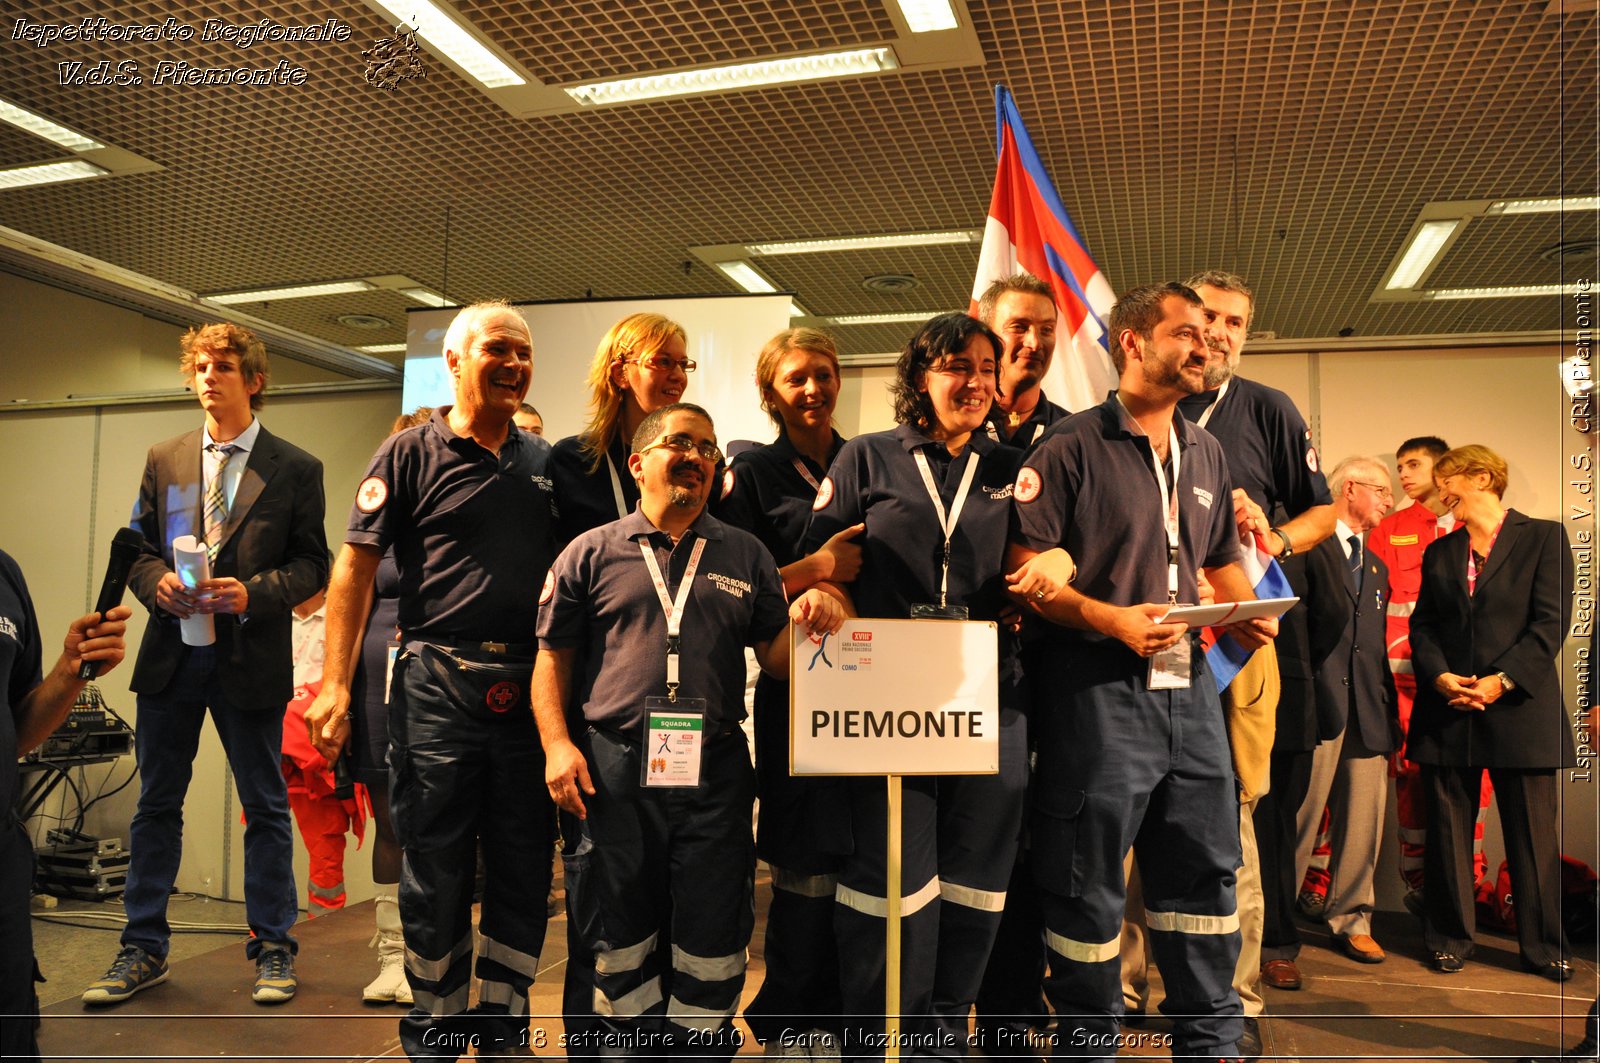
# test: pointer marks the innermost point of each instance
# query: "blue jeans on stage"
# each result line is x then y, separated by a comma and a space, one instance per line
166, 738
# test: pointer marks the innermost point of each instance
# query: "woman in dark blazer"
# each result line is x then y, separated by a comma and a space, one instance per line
1494, 609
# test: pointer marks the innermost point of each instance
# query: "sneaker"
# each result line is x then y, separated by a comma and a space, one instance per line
133, 970
1312, 905
275, 980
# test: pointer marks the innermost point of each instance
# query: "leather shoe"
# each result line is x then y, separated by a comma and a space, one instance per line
1361, 948
1447, 962
1555, 970
1280, 974
1250, 1041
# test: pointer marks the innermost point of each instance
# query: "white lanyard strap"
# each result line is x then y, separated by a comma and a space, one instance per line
947, 521
616, 487
805, 474
1169, 498
1205, 418
673, 608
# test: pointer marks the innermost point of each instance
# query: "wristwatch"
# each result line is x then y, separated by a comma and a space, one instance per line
1283, 537
1505, 682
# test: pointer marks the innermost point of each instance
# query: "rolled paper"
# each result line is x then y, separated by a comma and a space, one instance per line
192, 563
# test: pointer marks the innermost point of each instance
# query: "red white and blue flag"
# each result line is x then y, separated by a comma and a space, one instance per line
1029, 230
1225, 658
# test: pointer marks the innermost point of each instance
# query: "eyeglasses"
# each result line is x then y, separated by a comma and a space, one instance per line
1383, 490
662, 363
679, 443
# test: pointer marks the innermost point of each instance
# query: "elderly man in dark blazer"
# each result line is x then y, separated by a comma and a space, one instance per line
1495, 606
257, 504
1355, 691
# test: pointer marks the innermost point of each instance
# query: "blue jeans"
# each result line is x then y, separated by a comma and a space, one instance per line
166, 738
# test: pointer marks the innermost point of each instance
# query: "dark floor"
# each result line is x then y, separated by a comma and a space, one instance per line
1398, 1010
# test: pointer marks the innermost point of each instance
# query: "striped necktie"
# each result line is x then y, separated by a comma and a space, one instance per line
216, 511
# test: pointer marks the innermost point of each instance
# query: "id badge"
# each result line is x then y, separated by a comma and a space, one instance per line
674, 737
930, 611
391, 653
1170, 669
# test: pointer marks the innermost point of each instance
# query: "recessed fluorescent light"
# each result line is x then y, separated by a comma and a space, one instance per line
300, 291
425, 296
737, 76
457, 44
924, 16
882, 319
38, 125
796, 310
1508, 292
745, 276
48, 173
867, 243
382, 348
1545, 206
1429, 240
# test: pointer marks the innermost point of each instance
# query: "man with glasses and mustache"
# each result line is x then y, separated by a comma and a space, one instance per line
643, 745
465, 503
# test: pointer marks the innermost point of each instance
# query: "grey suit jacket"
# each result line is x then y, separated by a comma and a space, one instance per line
273, 542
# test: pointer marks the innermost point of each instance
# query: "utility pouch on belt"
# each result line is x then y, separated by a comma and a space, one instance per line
491, 690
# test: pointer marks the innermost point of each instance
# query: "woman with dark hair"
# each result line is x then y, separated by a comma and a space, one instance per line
934, 495
1494, 608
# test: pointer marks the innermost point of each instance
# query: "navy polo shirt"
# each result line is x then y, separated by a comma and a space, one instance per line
586, 498
1029, 432
1089, 486
600, 598
21, 654
471, 530
764, 493
875, 480
1268, 447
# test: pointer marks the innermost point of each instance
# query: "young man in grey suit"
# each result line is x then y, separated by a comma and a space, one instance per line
257, 503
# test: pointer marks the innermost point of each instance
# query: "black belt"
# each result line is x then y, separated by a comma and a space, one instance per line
498, 649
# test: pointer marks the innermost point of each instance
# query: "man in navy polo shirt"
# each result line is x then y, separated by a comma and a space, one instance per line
1131, 748
643, 745
1022, 312
465, 502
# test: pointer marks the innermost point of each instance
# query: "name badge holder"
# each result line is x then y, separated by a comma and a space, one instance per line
674, 726
943, 610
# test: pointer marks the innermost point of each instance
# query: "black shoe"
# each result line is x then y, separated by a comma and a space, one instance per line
1584, 1049
1555, 970
1135, 1017
1413, 903
1250, 1041
1447, 962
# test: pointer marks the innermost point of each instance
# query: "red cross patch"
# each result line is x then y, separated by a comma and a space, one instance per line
1028, 484
824, 494
502, 696
371, 495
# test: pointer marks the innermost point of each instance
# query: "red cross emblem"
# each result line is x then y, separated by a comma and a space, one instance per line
501, 696
371, 495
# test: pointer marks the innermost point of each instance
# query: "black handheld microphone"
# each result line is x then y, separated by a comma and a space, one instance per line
125, 549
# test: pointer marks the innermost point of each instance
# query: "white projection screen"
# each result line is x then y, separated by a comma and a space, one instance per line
725, 335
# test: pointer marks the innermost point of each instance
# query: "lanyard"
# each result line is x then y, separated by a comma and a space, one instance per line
805, 473
616, 487
1205, 418
674, 609
1472, 559
947, 521
1169, 498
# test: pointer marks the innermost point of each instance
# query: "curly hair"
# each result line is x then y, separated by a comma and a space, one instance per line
937, 339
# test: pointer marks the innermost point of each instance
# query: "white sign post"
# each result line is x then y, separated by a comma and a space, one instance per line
893, 698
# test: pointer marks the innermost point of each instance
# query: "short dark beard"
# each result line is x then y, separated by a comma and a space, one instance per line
681, 497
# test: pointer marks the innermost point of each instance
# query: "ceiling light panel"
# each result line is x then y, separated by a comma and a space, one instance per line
299, 291
1507, 292
926, 16
1545, 206
882, 319
867, 243
48, 173
745, 276
736, 77
1426, 244
453, 41
41, 126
